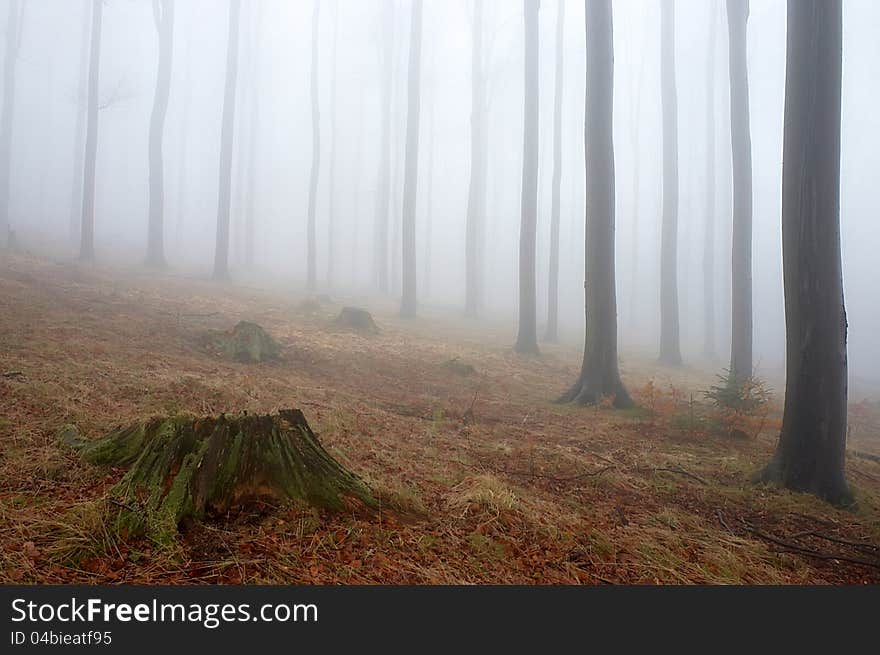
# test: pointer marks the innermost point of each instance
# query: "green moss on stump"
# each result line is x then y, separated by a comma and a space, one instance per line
184, 467
247, 342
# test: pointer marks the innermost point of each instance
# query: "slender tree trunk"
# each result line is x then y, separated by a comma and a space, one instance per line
13, 42
429, 191
410, 180
79, 137
87, 221
670, 348
316, 154
227, 136
476, 208
183, 141
527, 338
253, 141
163, 13
380, 250
553, 282
332, 173
741, 142
709, 218
599, 376
636, 193
811, 452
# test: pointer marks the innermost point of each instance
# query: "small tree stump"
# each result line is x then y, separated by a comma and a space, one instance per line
247, 342
185, 467
357, 319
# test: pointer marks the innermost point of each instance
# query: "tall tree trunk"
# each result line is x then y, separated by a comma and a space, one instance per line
553, 277
527, 339
163, 14
476, 207
316, 154
599, 376
386, 64
811, 452
87, 217
13, 42
253, 140
227, 136
670, 348
429, 181
79, 137
741, 142
183, 141
636, 192
410, 179
709, 218
332, 173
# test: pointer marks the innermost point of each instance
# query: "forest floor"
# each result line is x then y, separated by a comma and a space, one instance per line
483, 478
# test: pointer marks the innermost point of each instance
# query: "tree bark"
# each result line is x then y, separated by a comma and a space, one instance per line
709, 218
527, 339
227, 136
253, 140
741, 249
13, 42
79, 137
87, 216
811, 451
476, 207
380, 249
599, 378
552, 333
410, 179
332, 172
670, 347
163, 13
316, 155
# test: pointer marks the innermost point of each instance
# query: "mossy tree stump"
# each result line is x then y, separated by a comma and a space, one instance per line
247, 342
357, 319
184, 467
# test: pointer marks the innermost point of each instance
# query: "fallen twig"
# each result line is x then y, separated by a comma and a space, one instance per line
12, 374
679, 471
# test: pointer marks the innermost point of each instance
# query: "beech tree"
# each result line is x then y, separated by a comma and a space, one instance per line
552, 333
79, 137
386, 65
599, 376
741, 259
333, 137
10, 58
670, 347
227, 134
163, 16
527, 339
316, 154
476, 207
811, 451
410, 179
87, 216
709, 217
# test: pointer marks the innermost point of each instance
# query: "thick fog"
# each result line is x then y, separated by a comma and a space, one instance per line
273, 133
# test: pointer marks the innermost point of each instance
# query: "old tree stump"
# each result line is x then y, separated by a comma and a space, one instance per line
247, 342
357, 319
185, 467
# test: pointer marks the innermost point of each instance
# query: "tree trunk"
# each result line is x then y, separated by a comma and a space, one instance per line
380, 250
316, 155
79, 137
429, 177
527, 338
476, 207
810, 455
183, 142
87, 216
670, 348
163, 13
709, 218
253, 140
410, 179
185, 468
552, 333
13, 42
332, 173
227, 135
599, 376
741, 142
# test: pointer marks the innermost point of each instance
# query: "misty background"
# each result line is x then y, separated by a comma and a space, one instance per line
274, 69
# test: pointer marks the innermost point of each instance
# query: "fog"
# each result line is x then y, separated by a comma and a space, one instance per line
274, 81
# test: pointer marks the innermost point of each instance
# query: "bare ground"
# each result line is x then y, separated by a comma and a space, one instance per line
483, 478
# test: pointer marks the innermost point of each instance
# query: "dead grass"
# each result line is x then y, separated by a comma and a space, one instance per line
483, 478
